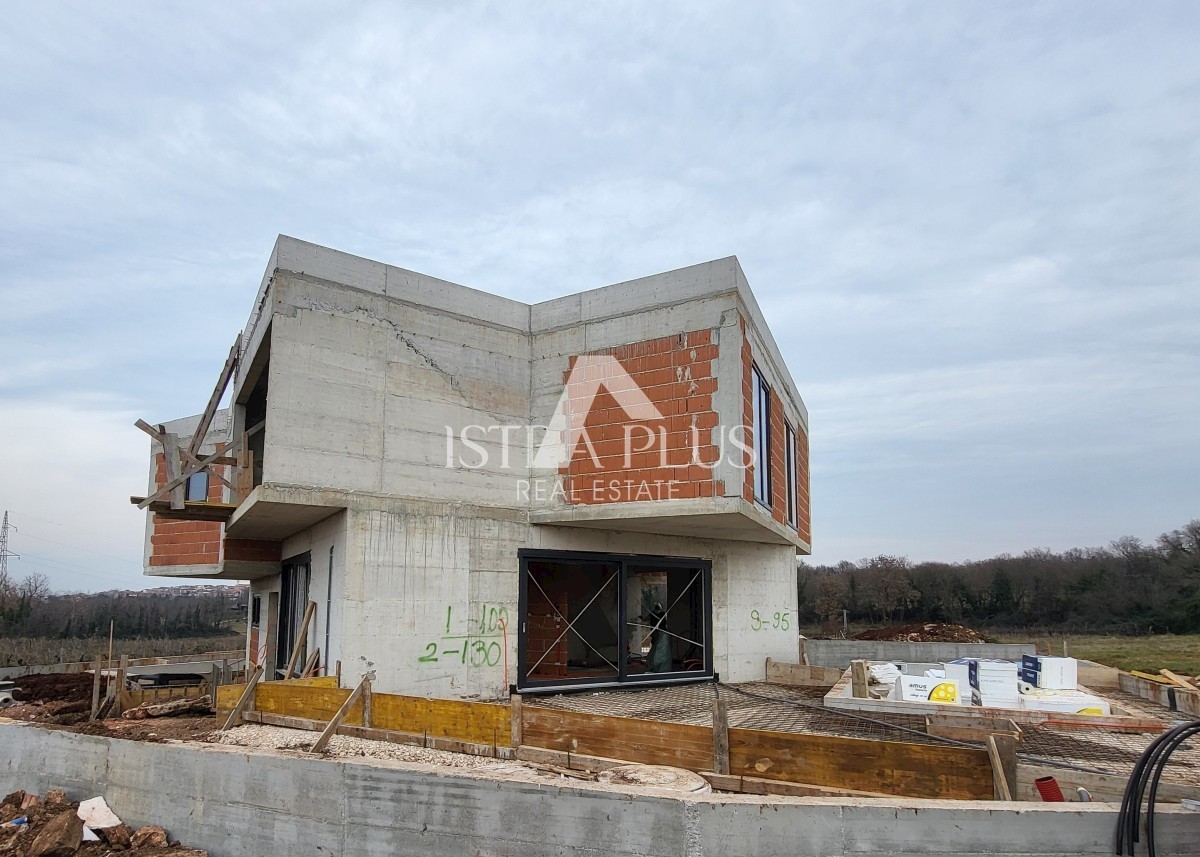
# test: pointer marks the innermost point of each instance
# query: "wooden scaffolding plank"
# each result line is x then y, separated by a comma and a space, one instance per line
210, 409
888, 767
801, 675
650, 742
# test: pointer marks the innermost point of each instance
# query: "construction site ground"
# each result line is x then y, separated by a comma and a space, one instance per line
781, 708
756, 705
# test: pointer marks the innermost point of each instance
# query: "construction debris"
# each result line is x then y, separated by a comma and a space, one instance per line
53, 826
174, 708
923, 633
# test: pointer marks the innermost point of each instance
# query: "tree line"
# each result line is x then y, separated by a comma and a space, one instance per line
1129, 587
29, 609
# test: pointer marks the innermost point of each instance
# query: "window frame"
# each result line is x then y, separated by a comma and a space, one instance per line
623, 678
790, 473
761, 428
193, 481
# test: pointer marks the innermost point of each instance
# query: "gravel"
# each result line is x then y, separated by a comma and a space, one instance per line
344, 747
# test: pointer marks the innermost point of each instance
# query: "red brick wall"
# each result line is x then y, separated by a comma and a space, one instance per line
253, 550
803, 515
677, 374
747, 414
184, 542
778, 460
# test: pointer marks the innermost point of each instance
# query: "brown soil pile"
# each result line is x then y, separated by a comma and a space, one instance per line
53, 828
54, 687
923, 633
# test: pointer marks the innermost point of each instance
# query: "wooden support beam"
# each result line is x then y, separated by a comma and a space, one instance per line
801, 675
210, 409
858, 680
720, 717
366, 698
514, 708
1179, 680
98, 671
1002, 752
975, 730
1151, 677
327, 735
310, 666
122, 674
191, 459
301, 639
244, 699
171, 458
192, 467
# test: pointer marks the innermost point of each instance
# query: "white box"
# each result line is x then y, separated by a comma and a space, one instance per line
1065, 702
1058, 673
958, 672
919, 688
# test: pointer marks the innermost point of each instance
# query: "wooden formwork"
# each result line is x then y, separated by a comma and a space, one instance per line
1163, 693
318, 699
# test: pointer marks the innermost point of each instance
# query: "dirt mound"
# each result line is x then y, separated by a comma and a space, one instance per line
54, 687
923, 633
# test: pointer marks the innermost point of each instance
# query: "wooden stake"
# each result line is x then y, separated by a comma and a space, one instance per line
96, 686
514, 708
247, 695
858, 680
720, 737
122, 675
323, 741
1002, 751
301, 639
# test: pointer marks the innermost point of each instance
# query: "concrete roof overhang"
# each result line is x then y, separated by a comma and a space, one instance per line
262, 515
731, 518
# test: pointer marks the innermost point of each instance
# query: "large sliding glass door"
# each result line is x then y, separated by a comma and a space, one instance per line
593, 619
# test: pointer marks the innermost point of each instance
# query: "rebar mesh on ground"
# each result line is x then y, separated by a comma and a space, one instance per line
780, 708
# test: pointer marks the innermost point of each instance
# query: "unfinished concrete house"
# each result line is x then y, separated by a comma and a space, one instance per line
464, 493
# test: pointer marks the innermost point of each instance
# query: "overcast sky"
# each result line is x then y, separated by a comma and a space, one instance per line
973, 227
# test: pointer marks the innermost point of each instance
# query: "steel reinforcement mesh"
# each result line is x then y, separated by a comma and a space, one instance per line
780, 708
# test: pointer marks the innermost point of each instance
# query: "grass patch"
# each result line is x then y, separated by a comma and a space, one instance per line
1179, 653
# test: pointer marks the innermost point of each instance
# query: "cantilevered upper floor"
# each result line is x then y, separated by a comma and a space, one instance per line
657, 405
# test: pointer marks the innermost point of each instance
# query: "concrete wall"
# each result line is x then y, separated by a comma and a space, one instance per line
839, 653
235, 804
428, 579
370, 365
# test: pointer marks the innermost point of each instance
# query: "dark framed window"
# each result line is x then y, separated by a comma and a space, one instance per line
197, 487
789, 469
255, 610
597, 619
762, 438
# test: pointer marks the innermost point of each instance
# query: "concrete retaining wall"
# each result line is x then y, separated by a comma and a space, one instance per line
839, 653
236, 804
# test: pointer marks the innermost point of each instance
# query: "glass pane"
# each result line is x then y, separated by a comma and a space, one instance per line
666, 609
197, 487
571, 619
